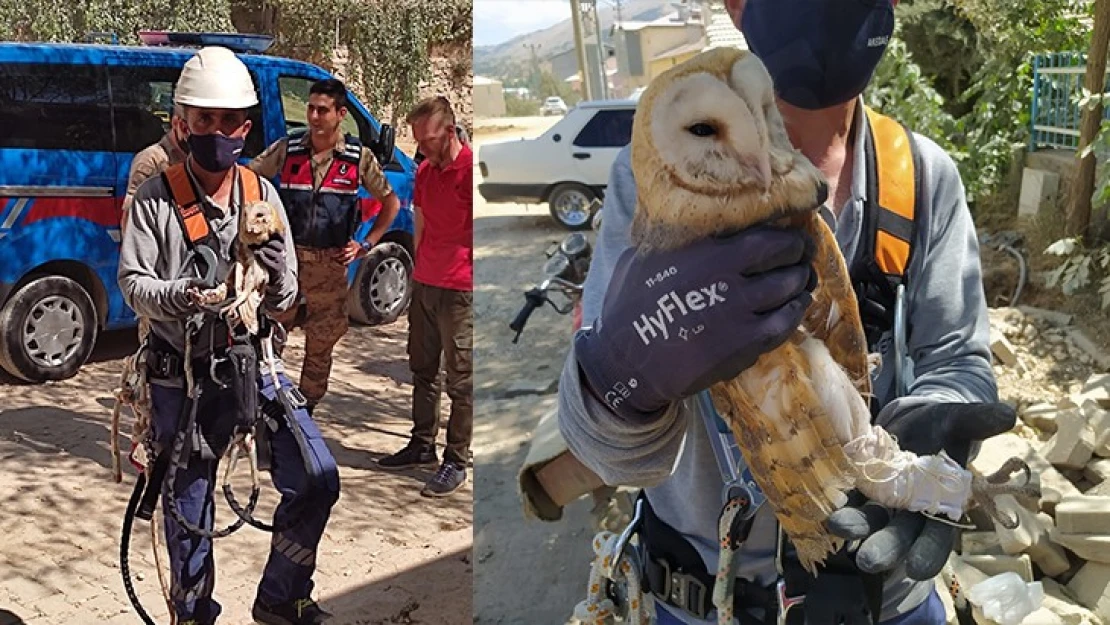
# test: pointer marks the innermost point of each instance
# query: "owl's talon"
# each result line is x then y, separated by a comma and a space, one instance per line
986, 489
1008, 468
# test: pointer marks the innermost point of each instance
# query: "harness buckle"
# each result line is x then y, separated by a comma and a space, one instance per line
164, 365
678, 590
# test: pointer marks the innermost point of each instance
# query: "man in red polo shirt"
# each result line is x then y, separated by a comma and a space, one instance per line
441, 320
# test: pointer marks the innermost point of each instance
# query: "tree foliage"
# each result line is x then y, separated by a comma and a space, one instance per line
389, 41
1009, 35
900, 90
944, 46
44, 20
976, 57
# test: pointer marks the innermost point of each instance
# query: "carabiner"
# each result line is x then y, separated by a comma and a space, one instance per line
626, 535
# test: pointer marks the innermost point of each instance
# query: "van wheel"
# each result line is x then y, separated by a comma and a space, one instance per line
573, 205
382, 287
47, 330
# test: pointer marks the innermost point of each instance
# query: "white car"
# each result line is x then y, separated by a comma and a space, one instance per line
567, 167
553, 106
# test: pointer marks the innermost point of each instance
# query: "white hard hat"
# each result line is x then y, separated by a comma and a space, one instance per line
215, 78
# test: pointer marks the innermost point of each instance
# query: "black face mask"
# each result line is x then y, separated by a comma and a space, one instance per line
214, 152
819, 53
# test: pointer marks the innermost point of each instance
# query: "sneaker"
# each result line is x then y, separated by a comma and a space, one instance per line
447, 480
296, 612
413, 455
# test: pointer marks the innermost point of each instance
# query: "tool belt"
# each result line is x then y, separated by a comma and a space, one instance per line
675, 574
232, 367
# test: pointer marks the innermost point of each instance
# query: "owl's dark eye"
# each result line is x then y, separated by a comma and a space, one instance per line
702, 129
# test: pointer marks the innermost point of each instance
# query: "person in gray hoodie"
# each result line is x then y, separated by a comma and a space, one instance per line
633, 410
158, 276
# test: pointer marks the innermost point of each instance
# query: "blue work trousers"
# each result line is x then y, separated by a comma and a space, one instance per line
292, 561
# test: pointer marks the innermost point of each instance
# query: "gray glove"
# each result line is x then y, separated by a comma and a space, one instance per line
272, 256
923, 544
676, 322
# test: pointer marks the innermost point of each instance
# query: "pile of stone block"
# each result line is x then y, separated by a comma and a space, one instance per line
1063, 540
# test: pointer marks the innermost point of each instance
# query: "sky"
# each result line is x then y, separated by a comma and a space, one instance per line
497, 21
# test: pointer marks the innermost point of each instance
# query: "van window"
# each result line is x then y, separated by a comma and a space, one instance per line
142, 102
607, 129
142, 99
48, 107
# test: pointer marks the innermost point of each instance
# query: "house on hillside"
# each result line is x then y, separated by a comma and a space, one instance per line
616, 89
564, 65
489, 97
638, 44
646, 49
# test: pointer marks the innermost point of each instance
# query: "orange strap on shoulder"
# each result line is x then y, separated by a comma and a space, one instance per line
252, 189
185, 201
894, 165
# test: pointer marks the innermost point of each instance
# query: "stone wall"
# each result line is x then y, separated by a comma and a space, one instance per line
452, 75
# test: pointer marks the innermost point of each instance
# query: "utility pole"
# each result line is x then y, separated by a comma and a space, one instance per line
537, 82
1079, 213
580, 48
602, 79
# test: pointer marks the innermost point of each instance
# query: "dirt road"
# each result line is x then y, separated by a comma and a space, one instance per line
388, 556
526, 571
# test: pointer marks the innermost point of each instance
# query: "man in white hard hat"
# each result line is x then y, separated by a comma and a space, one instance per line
183, 224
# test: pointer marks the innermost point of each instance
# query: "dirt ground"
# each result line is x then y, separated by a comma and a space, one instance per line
388, 556
526, 571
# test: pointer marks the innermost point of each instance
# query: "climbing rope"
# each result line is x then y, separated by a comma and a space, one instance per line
185, 427
134, 392
733, 526
598, 608
245, 515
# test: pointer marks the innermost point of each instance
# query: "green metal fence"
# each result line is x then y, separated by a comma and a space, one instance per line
1057, 85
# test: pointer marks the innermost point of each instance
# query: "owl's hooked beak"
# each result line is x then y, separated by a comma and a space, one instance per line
758, 167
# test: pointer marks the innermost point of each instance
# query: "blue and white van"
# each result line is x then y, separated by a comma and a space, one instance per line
73, 116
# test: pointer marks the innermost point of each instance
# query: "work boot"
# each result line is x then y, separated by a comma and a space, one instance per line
413, 455
447, 480
297, 612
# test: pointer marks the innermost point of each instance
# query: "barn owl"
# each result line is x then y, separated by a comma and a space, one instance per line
710, 155
258, 222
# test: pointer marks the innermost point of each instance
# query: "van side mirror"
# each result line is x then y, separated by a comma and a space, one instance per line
383, 147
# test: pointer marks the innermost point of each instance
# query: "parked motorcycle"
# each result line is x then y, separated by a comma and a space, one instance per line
565, 273
551, 476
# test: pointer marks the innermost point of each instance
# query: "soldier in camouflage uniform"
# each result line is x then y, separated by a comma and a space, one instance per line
153, 159
321, 169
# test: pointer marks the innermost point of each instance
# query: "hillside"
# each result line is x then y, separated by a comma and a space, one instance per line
508, 59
